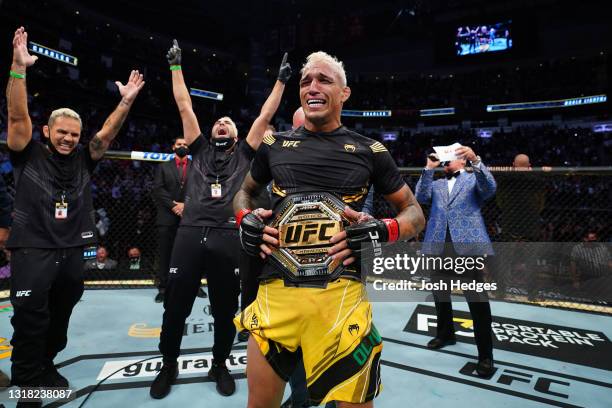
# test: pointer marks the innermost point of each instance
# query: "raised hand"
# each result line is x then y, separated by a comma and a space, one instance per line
432, 161
21, 56
130, 90
284, 72
174, 54
466, 153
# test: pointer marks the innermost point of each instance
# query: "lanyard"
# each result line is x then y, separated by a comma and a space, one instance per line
218, 167
67, 171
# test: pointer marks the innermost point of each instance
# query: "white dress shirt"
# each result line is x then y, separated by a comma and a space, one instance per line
451, 182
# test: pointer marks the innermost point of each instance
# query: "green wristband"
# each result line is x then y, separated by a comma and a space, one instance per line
175, 68
17, 75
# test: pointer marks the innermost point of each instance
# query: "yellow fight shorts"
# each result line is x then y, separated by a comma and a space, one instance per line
332, 327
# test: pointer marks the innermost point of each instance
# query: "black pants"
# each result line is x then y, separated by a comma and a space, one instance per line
46, 284
166, 234
196, 250
478, 302
250, 269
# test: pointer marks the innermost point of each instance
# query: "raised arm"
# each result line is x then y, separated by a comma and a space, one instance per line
19, 122
485, 183
256, 133
424, 186
102, 140
191, 127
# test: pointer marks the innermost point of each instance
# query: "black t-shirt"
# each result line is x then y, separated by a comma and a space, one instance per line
340, 162
213, 167
42, 178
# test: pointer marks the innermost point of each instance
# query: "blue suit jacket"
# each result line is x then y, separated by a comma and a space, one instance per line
459, 210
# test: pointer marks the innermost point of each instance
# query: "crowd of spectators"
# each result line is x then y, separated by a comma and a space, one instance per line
121, 189
125, 211
546, 145
472, 90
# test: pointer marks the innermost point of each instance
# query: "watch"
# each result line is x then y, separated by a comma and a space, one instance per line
477, 161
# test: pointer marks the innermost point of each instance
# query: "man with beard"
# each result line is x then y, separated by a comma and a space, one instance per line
207, 239
53, 220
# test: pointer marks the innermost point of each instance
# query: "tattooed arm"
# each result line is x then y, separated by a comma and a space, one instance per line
102, 140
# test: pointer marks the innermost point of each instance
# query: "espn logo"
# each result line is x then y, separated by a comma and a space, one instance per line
375, 244
23, 293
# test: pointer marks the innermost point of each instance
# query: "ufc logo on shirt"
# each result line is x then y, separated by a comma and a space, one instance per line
23, 293
173, 270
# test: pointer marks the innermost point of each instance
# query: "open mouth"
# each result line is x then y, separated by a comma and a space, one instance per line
221, 132
315, 103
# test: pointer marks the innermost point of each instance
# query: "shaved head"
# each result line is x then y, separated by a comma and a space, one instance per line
521, 161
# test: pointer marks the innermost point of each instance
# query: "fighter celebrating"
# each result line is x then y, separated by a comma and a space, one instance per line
311, 296
53, 219
207, 239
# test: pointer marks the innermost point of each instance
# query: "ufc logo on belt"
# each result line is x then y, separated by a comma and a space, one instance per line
22, 293
312, 233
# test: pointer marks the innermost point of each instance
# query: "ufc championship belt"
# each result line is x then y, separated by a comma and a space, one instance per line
305, 223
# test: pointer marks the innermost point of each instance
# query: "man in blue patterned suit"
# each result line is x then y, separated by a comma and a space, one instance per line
455, 219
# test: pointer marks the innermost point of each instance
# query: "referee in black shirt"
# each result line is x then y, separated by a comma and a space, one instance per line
53, 220
207, 238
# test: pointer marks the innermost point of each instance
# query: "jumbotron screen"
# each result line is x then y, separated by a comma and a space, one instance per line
478, 39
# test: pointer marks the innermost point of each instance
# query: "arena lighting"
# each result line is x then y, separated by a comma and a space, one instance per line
485, 133
53, 54
389, 136
559, 103
367, 113
206, 94
602, 128
437, 112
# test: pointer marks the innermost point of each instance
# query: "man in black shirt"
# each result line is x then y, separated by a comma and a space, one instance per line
321, 311
53, 219
6, 206
169, 194
207, 239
